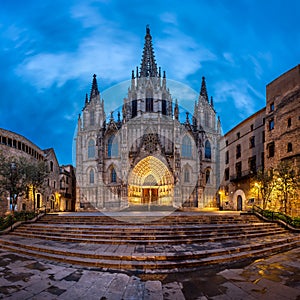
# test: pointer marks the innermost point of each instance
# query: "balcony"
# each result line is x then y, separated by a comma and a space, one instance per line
242, 175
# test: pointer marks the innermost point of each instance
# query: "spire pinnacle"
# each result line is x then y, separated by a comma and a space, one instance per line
148, 64
203, 91
94, 90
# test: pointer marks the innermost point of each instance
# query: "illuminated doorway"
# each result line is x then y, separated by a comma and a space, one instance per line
150, 183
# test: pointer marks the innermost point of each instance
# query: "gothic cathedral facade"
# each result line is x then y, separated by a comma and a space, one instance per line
146, 155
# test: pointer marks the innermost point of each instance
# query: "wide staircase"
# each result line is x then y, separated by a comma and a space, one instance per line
145, 244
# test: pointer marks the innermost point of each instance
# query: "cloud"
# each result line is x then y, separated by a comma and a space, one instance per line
168, 17
181, 53
239, 93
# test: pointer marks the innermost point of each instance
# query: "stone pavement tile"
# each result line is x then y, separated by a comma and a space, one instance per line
63, 273
53, 269
38, 286
235, 293
63, 284
21, 295
116, 288
231, 274
73, 293
250, 288
119, 283
173, 291
99, 288
153, 290
88, 278
279, 289
134, 289
44, 296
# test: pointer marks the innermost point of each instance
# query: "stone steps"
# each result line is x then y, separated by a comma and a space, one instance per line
151, 262
145, 220
144, 237
174, 243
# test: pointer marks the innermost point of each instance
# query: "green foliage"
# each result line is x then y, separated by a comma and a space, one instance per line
18, 173
8, 220
273, 215
277, 188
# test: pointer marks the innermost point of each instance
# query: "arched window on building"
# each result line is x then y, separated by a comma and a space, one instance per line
164, 104
186, 175
92, 118
207, 176
112, 146
149, 101
134, 108
113, 175
206, 118
92, 176
207, 150
186, 148
91, 148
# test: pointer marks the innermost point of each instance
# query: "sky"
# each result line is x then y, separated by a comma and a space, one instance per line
50, 49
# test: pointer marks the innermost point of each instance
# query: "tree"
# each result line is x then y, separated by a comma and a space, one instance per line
17, 174
287, 183
13, 177
36, 174
264, 183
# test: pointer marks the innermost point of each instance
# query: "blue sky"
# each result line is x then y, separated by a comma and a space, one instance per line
50, 49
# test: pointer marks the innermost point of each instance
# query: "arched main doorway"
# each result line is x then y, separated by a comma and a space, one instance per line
150, 183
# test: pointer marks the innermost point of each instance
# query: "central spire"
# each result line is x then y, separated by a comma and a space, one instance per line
148, 65
94, 90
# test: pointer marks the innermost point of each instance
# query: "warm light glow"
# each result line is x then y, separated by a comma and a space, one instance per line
150, 181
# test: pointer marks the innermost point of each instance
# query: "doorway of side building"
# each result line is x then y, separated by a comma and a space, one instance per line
150, 183
239, 204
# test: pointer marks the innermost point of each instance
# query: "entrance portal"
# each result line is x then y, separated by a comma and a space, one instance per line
239, 203
150, 183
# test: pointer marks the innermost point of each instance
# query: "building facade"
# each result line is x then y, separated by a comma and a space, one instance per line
145, 154
262, 142
53, 196
243, 155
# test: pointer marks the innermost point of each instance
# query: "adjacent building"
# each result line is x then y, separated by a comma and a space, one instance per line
261, 142
55, 196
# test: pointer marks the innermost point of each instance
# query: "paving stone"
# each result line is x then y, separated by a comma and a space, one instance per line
279, 289
231, 275
234, 292
37, 286
153, 290
173, 291
21, 295
134, 289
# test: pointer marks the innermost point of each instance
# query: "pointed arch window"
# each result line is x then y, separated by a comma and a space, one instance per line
112, 146
186, 175
207, 150
92, 118
92, 176
207, 176
134, 109
149, 101
206, 118
186, 148
91, 148
113, 175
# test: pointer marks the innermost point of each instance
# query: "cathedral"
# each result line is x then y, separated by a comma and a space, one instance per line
146, 154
